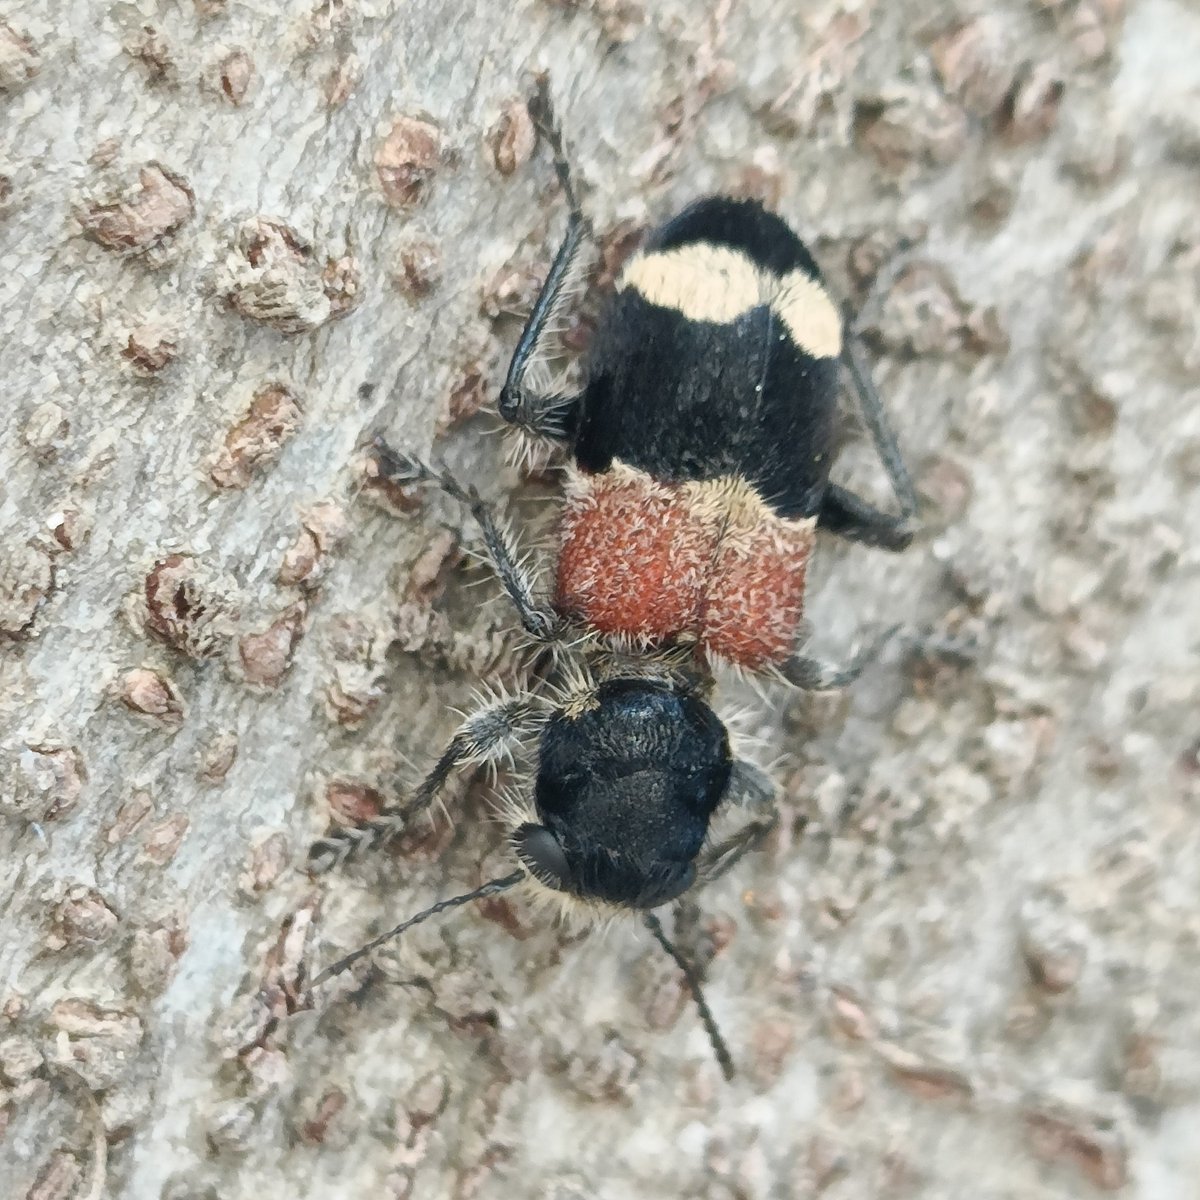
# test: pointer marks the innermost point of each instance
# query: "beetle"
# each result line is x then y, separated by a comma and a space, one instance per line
701, 444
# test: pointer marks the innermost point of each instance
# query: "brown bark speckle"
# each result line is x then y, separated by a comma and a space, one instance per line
257, 438
217, 757
1086, 1141
101, 1039
512, 138
19, 58
511, 290
406, 160
315, 1128
69, 527
159, 204
43, 782
129, 817
58, 1179
467, 397
342, 80
162, 840
1030, 108
1053, 942
83, 916
188, 607
762, 179
926, 1079
428, 576
924, 313
273, 275
265, 657
910, 127
147, 691
971, 60
236, 76
353, 803
153, 955
149, 46
151, 347
267, 861
306, 560
46, 431
356, 686
26, 580
419, 268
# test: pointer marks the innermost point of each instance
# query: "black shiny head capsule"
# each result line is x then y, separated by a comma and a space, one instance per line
625, 787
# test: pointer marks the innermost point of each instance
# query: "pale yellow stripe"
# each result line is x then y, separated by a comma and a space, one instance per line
716, 283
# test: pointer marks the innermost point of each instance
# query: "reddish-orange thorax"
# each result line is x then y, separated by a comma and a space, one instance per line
707, 563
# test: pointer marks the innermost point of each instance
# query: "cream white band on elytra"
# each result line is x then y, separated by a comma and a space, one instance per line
704, 282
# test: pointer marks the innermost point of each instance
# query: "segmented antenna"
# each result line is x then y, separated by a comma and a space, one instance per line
541, 109
693, 981
488, 889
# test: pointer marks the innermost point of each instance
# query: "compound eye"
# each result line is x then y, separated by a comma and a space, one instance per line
539, 850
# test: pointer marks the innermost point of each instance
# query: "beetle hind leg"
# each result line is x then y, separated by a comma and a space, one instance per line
818, 675
844, 513
849, 516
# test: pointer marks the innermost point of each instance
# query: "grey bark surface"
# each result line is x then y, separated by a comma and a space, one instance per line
236, 240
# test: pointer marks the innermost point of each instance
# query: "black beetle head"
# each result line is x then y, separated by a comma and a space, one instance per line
624, 793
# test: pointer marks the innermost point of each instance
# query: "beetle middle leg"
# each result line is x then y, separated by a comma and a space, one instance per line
538, 617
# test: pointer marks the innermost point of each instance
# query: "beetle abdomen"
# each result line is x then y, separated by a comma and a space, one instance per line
702, 562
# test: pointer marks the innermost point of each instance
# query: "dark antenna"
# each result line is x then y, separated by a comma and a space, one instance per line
541, 109
488, 889
693, 981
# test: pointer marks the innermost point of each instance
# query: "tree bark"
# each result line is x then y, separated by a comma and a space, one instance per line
239, 239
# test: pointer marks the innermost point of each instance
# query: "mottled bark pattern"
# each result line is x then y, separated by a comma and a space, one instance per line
238, 240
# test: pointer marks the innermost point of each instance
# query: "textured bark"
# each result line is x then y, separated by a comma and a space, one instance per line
238, 238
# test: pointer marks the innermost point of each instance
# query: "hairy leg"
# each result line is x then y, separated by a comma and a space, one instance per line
817, 675
487, 736
749, 788
538, 618
843, 512
849, 516
882, 434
